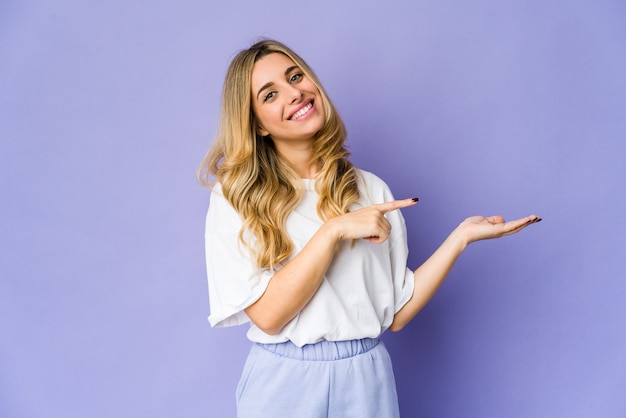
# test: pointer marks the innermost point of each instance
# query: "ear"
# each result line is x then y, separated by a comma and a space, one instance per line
262, 131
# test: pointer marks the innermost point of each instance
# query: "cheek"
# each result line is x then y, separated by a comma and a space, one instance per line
272, 114
260, 115
267, 119
320, 106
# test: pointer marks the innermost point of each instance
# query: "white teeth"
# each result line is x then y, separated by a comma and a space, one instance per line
302, 111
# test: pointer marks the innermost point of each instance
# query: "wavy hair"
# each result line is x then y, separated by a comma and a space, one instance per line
262, 187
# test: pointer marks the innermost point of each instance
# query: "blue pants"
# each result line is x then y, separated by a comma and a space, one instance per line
324, 380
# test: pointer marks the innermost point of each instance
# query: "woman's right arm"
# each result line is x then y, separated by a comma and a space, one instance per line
291, 288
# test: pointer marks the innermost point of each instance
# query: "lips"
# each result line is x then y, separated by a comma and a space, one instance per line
301, 111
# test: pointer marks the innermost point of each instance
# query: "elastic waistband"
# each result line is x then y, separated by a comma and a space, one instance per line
323, 350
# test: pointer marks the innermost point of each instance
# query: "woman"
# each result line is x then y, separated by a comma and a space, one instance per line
309, 249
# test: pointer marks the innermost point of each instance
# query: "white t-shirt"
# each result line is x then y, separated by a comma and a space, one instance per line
362, 289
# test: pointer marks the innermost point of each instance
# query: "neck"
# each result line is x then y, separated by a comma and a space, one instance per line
301, 160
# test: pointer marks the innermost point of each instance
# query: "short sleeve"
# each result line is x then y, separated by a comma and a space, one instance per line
234, 281
402, 277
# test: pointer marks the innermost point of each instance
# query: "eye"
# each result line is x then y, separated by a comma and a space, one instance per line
295, 78
269, 96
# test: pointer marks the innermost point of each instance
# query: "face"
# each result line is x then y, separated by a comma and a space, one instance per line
287, 104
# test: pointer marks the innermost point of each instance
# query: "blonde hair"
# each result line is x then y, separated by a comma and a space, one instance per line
262, 187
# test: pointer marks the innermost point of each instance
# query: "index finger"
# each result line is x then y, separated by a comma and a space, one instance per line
395, 204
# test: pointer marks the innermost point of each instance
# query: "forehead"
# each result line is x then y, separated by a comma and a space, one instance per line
270, 68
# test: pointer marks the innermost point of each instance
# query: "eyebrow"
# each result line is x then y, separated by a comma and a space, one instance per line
270, 84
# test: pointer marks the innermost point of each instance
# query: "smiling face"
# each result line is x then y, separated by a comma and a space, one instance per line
288, 106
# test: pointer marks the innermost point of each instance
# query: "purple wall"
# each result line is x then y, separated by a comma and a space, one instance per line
476, 107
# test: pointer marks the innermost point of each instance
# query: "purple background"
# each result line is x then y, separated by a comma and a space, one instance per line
106, 108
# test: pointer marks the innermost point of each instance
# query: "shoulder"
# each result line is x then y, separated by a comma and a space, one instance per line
221, 215
373, 189
370, 179
217, 198
367, 176
216, 188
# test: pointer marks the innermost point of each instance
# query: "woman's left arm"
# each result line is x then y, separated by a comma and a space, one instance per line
430, 275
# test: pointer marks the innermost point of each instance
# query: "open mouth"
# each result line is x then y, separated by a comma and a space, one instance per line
303, 111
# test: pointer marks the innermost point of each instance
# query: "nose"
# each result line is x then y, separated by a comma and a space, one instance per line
295, 94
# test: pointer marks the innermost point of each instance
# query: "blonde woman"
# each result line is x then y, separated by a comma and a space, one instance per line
309, 249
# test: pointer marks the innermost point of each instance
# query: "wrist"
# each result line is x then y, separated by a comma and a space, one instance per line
459, 238
330, 231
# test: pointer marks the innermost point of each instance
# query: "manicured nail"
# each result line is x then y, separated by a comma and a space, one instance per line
415, 199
